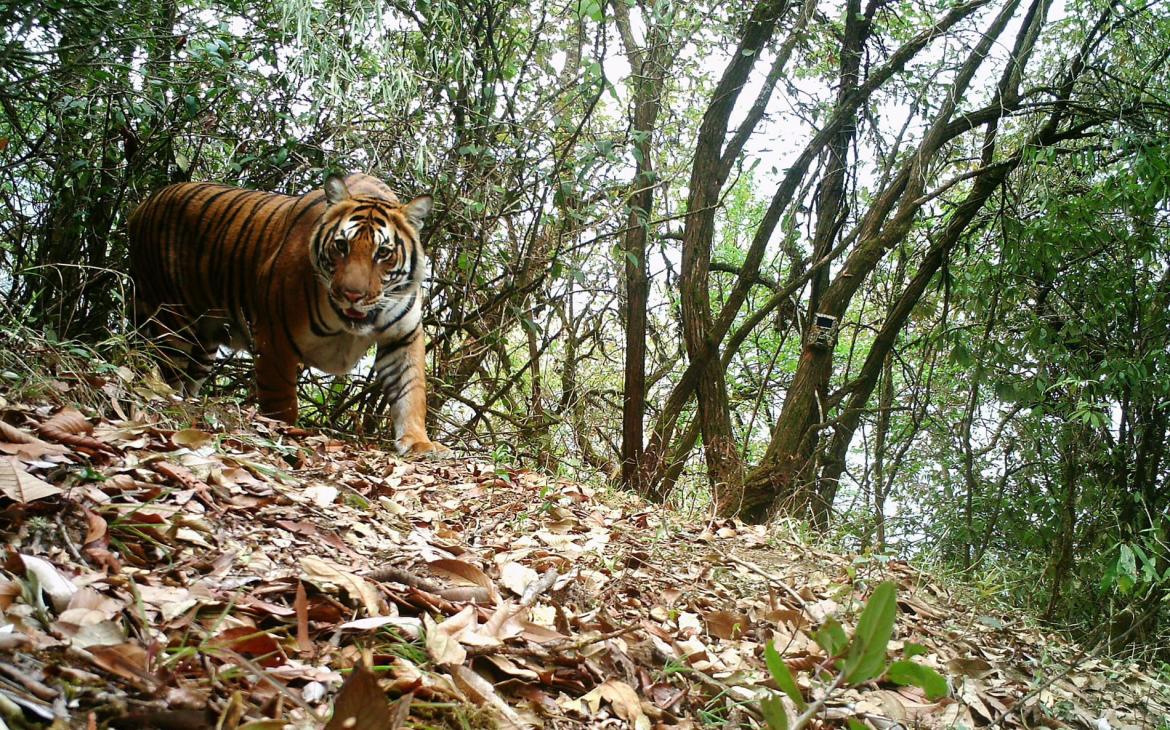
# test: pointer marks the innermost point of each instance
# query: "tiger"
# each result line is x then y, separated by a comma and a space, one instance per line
310, 280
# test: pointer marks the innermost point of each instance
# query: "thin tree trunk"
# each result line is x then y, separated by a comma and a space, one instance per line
538, 427
708, 174
649, 66
884, 416
1061, 561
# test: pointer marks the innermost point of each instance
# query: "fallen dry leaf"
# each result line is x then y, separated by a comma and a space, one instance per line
17, 442
624, 701
70, 427
325, 575
321, 495
442, 645
301, 605
56, 586
408, 626
20, 486
726, 624
516, 577
127, 660
97, 543
191, 438
180, 474
461, 570
248, 593
252, 643
481, 692
361, 704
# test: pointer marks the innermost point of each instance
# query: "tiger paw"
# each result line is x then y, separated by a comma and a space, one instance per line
423, 447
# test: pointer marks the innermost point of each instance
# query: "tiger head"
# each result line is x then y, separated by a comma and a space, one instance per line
366, 250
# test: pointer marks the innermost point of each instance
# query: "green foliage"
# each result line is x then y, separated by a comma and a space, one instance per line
867, 651
831, 637
866, 658
908, 672
774, 714
781, 676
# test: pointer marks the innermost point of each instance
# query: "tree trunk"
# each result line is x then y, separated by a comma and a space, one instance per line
649, 66
775, 485
885, 405
708, 174
1060, 563
662, 435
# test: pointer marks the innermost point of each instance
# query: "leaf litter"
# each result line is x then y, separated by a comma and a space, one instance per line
276, 578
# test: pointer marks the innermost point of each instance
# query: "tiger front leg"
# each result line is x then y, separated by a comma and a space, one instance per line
399, 370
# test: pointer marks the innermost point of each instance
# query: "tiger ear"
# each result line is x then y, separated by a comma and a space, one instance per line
417, 209
335, 190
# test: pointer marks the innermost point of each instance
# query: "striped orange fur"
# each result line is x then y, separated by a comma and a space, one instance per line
315, 280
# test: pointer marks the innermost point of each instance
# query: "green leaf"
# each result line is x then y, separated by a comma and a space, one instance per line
831, 637
912, 650
1127, 561
591, 8
867, 653
781, 675
773, 711
855, 724
962, 356
1126, 569
1006, 392
908, 672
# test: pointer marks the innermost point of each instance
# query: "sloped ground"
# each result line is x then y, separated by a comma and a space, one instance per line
208, 578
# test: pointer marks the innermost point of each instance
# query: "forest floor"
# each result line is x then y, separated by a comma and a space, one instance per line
234, 577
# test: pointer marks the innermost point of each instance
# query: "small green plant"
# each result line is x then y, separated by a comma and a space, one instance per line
673, 666
502, 457
858, 660
398, 645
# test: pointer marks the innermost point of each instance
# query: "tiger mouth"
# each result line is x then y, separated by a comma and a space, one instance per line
356, 316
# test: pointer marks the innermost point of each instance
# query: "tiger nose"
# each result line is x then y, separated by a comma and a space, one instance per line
352, 295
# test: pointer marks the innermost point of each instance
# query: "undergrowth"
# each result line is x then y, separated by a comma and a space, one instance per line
115, 377
119, 377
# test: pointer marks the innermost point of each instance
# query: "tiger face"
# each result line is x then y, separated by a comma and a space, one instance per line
365, 252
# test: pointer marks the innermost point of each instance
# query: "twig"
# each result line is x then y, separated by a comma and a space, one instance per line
473, 594
577, 644
815, 707
264, 676
539, 586
69, 546
40, 690
771, 580
1078, 660
406, 578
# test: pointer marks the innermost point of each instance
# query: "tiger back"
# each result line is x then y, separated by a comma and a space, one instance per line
315, 279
